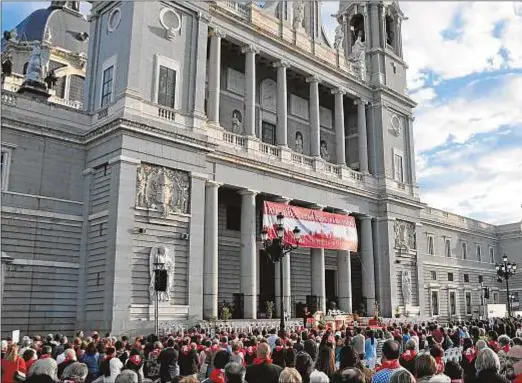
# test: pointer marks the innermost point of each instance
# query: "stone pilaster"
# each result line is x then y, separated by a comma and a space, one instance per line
249, 252
250, 52
210, 264
315, 128
363, 138
282, 112
340, 150
214, 76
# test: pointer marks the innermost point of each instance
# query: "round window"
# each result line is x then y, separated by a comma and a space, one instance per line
114, 19
170, 20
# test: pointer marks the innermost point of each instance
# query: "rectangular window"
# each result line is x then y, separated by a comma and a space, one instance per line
479, 253
491, 255
466, 278
268, 133
515, 296
468, 303
450, 277
447, 248
431, 247
453, 303
233, 217
464, 250
398, 167
166, 86
4, 174
481, 278
434, 303
107, 85
495, 297
433, 275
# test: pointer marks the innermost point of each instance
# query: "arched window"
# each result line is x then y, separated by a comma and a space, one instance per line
357, 26
390, 30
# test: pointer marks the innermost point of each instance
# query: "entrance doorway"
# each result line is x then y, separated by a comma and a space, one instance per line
330, 281
266, 281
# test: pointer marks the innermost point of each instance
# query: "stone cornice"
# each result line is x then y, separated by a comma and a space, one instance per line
452, 227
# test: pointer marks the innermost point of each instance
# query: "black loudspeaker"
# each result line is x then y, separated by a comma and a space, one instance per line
486, 293
312, 302
160, 280
239, 306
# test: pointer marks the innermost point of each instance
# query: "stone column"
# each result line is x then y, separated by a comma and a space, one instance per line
282, 97
411, 149
287, 283
344, 280
200, 70
315, 128
363, 138
318, 277
368, 267
4, 260
374, 25
250, 89
210, 263
214, 76
249, 252
340, 150
277, 289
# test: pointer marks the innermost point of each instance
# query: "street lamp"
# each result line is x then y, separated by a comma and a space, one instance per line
160, 284
484, 294
506, 270
276, 249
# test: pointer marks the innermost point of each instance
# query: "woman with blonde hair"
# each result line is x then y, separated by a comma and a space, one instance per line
402, 376
290, 375
12, 364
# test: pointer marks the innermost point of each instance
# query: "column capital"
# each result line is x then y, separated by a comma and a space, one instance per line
364, 217
313, 79
251, 48
89, 171
205, 17
343, 211
285, 200
217, 33
317, 206
361, 101
340, 90
283, 63
213, 184
244, 192
411, 118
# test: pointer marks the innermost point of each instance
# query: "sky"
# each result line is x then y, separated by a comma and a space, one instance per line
465, 73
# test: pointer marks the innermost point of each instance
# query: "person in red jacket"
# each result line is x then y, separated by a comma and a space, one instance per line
11, 363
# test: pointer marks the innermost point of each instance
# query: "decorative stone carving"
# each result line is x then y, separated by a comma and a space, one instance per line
162, 255
268, 94
405, 236
406, 287
235, 81
35, 66
170, 20
237, 122
395, 125
48, 36
324, 151
339, 36
359, 55
299, 107
162, 189
299, 13
299, 144
114, 20
325, 117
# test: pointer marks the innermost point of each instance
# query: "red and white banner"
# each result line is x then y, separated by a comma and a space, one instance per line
318, 228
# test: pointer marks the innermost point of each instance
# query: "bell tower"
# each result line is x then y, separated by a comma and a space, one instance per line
379, 24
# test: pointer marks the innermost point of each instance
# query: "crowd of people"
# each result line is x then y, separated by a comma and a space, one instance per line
488, 352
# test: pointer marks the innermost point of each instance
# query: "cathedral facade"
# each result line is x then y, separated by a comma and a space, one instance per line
165, 126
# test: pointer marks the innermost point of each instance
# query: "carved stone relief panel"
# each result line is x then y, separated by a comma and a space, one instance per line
299, 107
163, 189
235, 81
395, 125
269, 94
405, 235
325, 116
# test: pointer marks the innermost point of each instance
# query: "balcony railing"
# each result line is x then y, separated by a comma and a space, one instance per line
301, 159
69, 103
234, 139
331, 168
236, 7
166, 114
8, 99
270, 149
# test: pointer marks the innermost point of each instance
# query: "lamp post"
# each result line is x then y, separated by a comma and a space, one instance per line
276, 249
506, 270
159, 282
